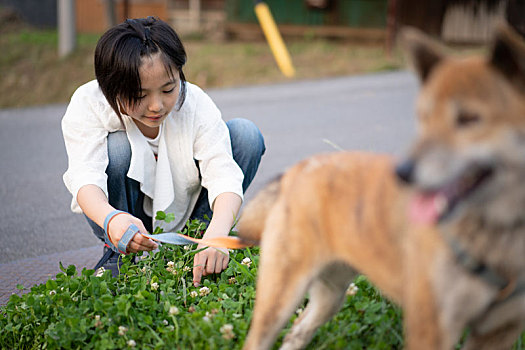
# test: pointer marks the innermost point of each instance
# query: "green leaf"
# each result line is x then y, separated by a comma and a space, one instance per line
71, 270
160, 215
51, 285
169, 217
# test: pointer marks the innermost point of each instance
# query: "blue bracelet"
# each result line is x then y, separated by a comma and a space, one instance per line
109, 217
106, 236
122, 245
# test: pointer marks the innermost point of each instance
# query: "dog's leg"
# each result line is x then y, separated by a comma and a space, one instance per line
420, 308
275, 302
327, 294
281, 285
499, 328
421, 320
502, 338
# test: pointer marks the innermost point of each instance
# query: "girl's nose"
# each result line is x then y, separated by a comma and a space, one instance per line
155, 104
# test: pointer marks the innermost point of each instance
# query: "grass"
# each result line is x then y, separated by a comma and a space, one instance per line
33, 74
154, 305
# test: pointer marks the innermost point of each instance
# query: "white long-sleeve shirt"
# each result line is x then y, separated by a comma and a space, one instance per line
171, 183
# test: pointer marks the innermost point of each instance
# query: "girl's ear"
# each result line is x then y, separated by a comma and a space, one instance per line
423, 52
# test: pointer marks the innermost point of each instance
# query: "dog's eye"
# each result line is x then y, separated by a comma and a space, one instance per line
467, 119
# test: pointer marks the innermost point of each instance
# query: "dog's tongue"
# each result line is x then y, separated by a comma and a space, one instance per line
426, 208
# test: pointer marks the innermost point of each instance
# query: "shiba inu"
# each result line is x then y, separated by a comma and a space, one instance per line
442, 232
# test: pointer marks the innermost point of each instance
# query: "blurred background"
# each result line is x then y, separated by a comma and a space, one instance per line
328, 101
226, 46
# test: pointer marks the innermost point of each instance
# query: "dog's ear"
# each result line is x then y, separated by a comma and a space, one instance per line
508, 55
423, 52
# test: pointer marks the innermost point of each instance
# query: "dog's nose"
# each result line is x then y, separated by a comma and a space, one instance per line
405, 171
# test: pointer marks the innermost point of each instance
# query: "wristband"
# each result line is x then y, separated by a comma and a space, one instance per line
126, 238
108, 219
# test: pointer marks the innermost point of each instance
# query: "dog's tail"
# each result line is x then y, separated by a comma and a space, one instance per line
253, 217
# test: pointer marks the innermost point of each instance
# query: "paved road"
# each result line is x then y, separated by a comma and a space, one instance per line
298, 119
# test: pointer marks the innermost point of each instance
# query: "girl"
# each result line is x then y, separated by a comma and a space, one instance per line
141, 139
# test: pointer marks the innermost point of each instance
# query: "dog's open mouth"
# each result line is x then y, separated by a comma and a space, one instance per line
430, 207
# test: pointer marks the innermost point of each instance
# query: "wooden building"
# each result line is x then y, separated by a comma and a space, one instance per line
452, 20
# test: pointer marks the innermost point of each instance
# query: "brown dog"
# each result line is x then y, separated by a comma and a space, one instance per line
458, 261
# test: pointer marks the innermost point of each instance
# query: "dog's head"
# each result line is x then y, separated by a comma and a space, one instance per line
470, 147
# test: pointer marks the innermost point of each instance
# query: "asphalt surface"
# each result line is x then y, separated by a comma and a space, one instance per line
370, 112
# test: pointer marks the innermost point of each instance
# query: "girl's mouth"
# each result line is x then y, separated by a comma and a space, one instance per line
153, 117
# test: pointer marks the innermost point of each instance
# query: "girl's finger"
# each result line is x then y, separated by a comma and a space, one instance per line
218, 263
225, 261
134, 247
211, 262
198, 263
147, 243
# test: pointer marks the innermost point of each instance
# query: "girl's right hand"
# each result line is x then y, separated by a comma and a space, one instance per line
120, 223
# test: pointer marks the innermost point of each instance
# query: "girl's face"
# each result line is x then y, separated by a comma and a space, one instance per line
159, 95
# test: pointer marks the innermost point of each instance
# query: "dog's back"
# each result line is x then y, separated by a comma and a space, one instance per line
329, 206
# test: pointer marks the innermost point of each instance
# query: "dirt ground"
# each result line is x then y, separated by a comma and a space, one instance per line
31, 73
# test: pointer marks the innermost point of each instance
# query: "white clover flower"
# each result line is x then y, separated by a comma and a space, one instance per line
52, 292
75, 299
122, 330
226, 328
227, 331
352, 289
232, 280
204, 291
246, 261
187, 247
100, 271
171, 267
143, 269
206, 319
299, 311
165, 322
173, 310
131, 343
186, 268
98, 323
154, 286
193, 294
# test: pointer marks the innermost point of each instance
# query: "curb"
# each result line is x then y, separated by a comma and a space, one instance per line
31, 271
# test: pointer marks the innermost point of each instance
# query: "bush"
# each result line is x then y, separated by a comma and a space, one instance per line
153, 304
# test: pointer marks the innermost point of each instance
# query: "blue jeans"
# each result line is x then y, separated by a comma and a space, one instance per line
124, 193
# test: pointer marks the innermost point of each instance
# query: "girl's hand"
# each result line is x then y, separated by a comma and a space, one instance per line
120, 223
209, 261
214, 260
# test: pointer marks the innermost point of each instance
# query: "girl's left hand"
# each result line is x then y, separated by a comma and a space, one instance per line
209, 261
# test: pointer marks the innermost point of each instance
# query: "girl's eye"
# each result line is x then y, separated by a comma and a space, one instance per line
170, 90
142, 97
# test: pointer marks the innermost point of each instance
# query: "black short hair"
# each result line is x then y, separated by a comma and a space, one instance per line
118, 58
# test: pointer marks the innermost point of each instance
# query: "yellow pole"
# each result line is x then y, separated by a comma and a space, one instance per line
280, 53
